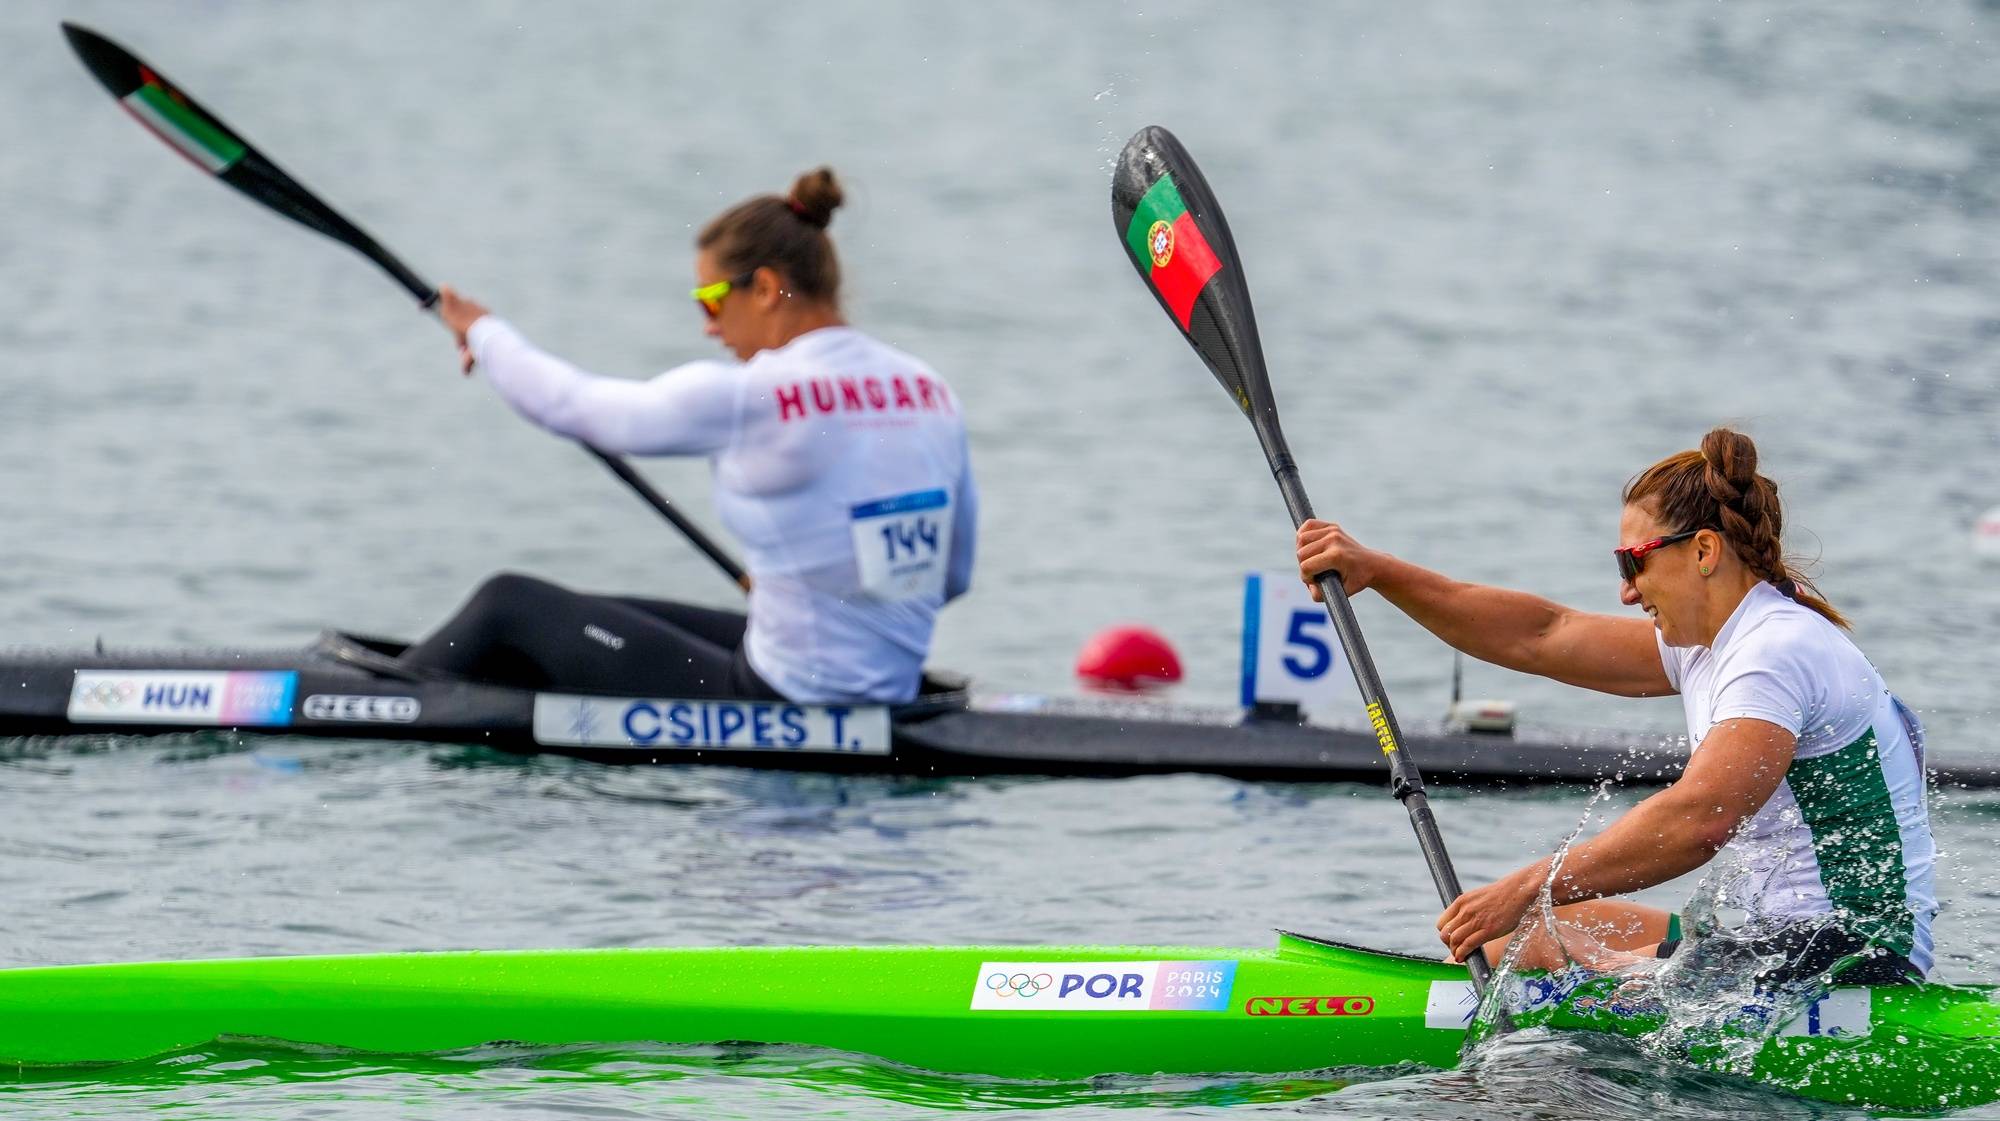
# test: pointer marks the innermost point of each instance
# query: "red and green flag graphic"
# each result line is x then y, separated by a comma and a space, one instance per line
1170, 248
191, 134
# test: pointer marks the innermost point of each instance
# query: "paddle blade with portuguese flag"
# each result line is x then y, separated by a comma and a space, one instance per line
201, 137
1176, 236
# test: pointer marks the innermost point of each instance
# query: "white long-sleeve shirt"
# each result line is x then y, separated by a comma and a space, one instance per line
840, 463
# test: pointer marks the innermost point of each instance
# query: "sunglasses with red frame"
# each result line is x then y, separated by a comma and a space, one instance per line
1632, 558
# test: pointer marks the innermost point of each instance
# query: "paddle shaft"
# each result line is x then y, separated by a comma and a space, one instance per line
1405, 781
664, 506
427, 298
661, 503
202, 138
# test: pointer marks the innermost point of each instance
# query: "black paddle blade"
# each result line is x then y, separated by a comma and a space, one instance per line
200, 136
1178, 240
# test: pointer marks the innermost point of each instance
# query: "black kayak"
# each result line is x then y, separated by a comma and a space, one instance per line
349, 687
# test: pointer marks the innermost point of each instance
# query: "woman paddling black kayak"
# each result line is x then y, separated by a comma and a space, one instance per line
1807, 773
840, 463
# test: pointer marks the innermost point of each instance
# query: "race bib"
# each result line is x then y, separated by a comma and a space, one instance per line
902, 544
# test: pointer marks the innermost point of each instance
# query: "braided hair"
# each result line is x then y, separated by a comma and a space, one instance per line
785, 233
1717, 487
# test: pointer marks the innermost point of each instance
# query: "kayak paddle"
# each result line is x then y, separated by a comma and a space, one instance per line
201, 137
1177, 238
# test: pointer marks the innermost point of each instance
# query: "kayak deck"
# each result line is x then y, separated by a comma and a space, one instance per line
350, 687
914, 1005
1005, 1011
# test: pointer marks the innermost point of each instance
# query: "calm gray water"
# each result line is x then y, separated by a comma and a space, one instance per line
1502, 258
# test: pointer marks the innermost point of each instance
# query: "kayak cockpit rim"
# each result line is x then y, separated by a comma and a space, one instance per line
1311, 947
939, 691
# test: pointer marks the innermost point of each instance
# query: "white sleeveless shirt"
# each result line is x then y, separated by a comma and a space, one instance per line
840, 463
1847, 832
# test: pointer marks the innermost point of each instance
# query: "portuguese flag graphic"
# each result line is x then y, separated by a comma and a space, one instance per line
1169, 246
161, 110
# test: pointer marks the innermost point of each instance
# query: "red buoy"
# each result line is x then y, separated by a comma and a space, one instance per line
1128, 658
1986, 535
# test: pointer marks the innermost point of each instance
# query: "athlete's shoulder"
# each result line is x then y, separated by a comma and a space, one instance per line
1783, 634
895, 359
1770, 616
701, 369
711, 383
895, 352
903, 368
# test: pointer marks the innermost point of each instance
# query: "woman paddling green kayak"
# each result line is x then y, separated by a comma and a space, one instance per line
1806, 774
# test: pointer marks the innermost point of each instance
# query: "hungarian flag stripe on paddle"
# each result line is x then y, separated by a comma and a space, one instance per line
1169, 246
190, 134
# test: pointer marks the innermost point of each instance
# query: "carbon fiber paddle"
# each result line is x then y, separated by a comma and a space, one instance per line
1176, 236
200, 136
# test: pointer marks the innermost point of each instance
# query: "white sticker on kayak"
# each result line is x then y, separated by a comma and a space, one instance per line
1103, 986
564, 720
903, 544
1451, 1004
1842, 1012
224, 699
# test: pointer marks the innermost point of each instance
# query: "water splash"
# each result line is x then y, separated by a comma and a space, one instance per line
1713, 999
1540, 1073
1516, 990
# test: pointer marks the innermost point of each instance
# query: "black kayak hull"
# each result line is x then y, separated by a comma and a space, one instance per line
346, 688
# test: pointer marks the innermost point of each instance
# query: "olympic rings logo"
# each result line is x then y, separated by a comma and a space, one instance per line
106, 694
1023, 985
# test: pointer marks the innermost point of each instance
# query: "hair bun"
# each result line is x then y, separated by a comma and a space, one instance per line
1732, 453
815, 196
1732, 463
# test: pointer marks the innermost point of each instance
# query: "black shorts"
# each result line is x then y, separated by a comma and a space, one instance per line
1808, 953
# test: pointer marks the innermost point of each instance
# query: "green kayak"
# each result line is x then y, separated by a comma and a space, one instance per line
1006, 1011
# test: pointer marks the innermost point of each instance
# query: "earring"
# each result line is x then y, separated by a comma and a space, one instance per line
1704, 570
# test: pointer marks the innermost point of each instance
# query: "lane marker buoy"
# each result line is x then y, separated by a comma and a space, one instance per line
1986, 535
1128, 658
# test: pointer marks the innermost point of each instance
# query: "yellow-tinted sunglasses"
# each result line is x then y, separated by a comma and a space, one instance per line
709, 296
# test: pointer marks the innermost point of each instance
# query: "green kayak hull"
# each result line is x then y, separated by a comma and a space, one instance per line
1030, 1012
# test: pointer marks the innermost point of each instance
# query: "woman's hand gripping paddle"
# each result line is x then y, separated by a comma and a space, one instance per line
214, 147
1175, 235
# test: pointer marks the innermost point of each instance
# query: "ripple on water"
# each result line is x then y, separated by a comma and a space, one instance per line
1543, 1074
741, 1080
